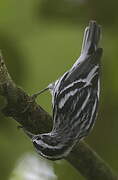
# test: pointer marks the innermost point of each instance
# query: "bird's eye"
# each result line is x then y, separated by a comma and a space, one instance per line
38, 138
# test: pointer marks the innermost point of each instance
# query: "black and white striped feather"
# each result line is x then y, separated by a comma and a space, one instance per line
75, 97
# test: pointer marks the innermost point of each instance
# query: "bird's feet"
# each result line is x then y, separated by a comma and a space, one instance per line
33, 98
19, 127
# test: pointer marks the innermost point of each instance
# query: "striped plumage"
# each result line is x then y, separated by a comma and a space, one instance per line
75, 98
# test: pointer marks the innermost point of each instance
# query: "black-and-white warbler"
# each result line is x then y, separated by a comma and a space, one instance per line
75, 97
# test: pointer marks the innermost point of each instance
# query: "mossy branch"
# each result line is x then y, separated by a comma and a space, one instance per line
37, 120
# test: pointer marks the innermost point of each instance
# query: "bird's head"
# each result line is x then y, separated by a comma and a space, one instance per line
50, 147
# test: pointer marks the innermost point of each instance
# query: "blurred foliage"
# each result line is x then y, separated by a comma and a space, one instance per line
41, 170
40, 40
80, 10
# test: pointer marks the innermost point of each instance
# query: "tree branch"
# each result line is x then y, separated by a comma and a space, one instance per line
37, 120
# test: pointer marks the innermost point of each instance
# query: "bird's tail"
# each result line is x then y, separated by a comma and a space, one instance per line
91, 38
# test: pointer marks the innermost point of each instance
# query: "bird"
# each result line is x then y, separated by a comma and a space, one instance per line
75, 99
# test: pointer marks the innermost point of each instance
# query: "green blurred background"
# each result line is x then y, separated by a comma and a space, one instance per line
40, 40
